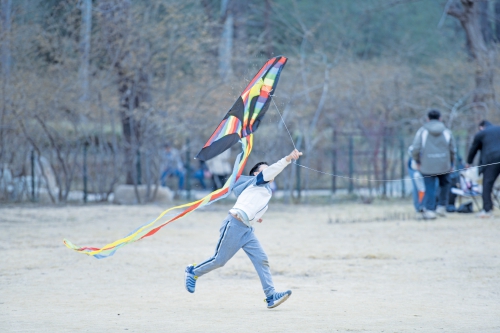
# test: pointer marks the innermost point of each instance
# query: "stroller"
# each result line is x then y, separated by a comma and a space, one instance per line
468, 185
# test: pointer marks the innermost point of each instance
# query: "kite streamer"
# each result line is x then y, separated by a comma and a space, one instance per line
150, 228
238, 125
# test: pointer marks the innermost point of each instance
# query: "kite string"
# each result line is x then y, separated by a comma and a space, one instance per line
283, 120
364, 179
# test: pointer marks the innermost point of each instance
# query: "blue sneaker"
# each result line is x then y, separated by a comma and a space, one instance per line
190, 279
278, 298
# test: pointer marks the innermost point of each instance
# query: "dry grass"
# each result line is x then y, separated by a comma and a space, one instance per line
371, 276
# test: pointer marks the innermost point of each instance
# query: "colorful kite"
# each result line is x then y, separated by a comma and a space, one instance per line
239, 124
247, 112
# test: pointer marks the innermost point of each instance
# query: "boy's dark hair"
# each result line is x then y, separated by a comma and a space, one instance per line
256, 167
484, 123
434, 114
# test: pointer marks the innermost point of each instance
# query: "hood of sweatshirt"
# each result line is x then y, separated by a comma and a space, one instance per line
435, 127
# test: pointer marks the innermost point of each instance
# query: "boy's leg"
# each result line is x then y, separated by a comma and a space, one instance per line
256, 253
229, 243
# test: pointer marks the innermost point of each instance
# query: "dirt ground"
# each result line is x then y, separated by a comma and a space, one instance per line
351, 267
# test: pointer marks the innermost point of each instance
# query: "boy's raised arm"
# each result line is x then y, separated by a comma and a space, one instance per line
273, 170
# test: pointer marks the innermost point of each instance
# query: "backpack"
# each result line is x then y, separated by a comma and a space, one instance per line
466, 208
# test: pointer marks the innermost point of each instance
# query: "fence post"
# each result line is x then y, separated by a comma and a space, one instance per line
384, 162
33, 199
298, 183
188, 171
138, 167
403, 168
465, 150
334, 162
351, 164
85, 176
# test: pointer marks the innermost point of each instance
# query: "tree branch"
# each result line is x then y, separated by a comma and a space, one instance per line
445, 13
455, 10
390, 5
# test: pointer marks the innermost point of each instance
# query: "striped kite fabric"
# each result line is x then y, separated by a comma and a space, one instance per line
247, 112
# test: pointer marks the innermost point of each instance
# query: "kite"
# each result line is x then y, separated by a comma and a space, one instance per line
239, 124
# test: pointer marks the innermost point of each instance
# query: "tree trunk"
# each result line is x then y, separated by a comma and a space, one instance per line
483, 96
485, 21
125, 89
85, 32
6, 27
133, 82
267, 29
497, 21
6, 64
226, 40
240, 43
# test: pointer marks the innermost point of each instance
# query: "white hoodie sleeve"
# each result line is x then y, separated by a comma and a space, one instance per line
272, 171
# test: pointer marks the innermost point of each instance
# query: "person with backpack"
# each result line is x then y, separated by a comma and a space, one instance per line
434, 153
487, 140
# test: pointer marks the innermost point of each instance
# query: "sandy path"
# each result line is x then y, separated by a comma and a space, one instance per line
391, 276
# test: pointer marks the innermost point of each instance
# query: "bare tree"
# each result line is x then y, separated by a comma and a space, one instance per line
6, 70
497, 20
129, 57
468, 12
85, 32
149, 72
226, 39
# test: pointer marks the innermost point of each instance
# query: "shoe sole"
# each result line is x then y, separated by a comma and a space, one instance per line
185, 285
283, 299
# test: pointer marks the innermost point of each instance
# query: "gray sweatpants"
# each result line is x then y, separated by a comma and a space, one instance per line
235, 235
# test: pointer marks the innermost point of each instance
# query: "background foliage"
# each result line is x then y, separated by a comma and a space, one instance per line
118, 79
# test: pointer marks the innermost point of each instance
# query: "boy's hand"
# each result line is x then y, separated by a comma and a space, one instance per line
294, 155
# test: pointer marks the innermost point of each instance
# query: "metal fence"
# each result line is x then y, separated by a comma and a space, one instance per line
364, 163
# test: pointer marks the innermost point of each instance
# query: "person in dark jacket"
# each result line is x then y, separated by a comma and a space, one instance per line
487, 140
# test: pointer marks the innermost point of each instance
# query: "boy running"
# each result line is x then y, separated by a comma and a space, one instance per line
253, 193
